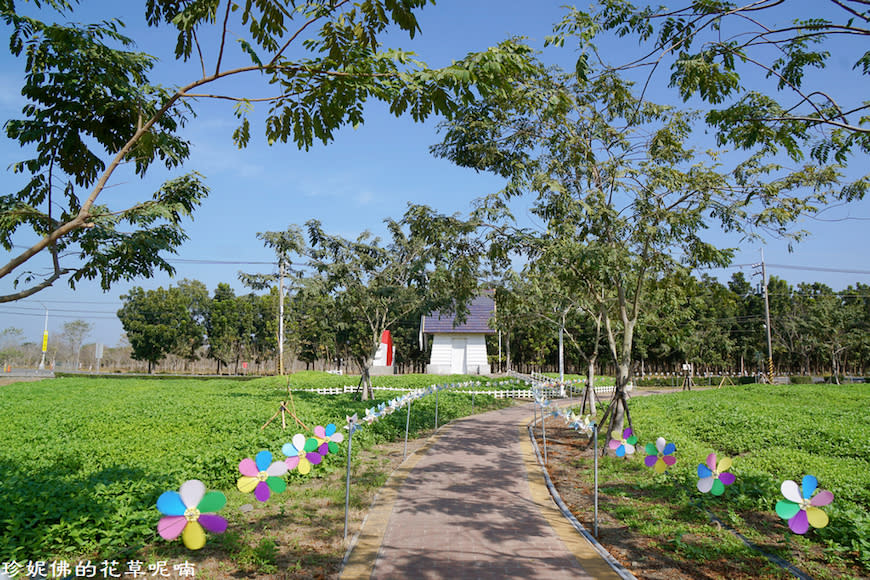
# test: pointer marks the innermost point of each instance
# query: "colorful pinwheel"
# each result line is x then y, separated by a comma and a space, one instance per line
262, 476
328, 436
660, 455
715, 477
302, 453
624, 446
582, 424
801, 509
187, 511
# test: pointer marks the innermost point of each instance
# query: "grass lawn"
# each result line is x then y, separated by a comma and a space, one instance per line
84, 460
772, 433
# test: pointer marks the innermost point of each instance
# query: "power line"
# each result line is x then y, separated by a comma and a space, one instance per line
788, 267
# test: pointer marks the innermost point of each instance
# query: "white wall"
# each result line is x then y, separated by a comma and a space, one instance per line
444, 361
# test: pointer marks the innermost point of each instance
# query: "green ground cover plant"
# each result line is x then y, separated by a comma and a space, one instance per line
84, 459
772, 433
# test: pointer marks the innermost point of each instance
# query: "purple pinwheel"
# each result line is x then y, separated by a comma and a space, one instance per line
328, 437
187, 511
302, 453
624, 446
660, 455
801, 509
262, 476
715, 477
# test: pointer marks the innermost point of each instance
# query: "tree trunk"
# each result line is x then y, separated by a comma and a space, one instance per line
589, 397
365, 383
617, 410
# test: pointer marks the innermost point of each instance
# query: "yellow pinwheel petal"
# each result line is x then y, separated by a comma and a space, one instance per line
247, 484
724, 464
817, 518
660, 466
193, 536
304, 466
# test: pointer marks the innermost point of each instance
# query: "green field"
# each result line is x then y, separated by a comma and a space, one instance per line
84, 459
772, 433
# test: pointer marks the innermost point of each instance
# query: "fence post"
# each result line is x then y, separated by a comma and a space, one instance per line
436, 408
595, 454
407, 424
351, 429
544, 435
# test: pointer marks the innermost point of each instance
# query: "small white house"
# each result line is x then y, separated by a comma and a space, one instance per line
459, 349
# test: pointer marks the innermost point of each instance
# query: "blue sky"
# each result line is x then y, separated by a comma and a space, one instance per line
352, 184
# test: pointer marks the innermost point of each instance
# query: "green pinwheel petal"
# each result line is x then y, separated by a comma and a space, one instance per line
311, 445
631, 440
276, 484
787, 509
651, 449
333, 447
212, 502
718, 487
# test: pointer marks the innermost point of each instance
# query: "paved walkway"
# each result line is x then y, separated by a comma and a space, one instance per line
472, 504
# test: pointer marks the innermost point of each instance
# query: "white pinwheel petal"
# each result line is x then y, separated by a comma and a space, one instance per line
660, 444
191, 492
277, 469
336, 437
299, 441
791, 491
705, 484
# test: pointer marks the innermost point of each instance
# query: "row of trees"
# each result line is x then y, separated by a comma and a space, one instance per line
717, 327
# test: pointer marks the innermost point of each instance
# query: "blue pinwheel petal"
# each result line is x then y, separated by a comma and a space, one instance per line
670, 448
704, 471
620, 451
263, 460
169, 503
330, 430
289, 450
809, 485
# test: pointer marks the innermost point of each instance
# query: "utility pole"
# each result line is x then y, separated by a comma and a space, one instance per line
281, 317
766, 316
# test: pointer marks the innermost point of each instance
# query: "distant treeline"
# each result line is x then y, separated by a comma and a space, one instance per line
719, 328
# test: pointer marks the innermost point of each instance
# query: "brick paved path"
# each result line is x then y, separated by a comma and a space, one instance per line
472, 507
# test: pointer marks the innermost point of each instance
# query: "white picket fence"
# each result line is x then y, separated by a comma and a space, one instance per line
497, 393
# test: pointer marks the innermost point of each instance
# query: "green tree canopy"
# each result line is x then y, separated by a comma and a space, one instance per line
161, 321
91, 108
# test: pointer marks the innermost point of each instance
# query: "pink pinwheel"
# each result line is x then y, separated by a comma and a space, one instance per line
624, 446
262, 476
302, 453
187, 512
328, 437
715, 477
660, 455
801, 509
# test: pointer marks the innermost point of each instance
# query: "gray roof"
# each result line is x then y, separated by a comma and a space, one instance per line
480, 311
